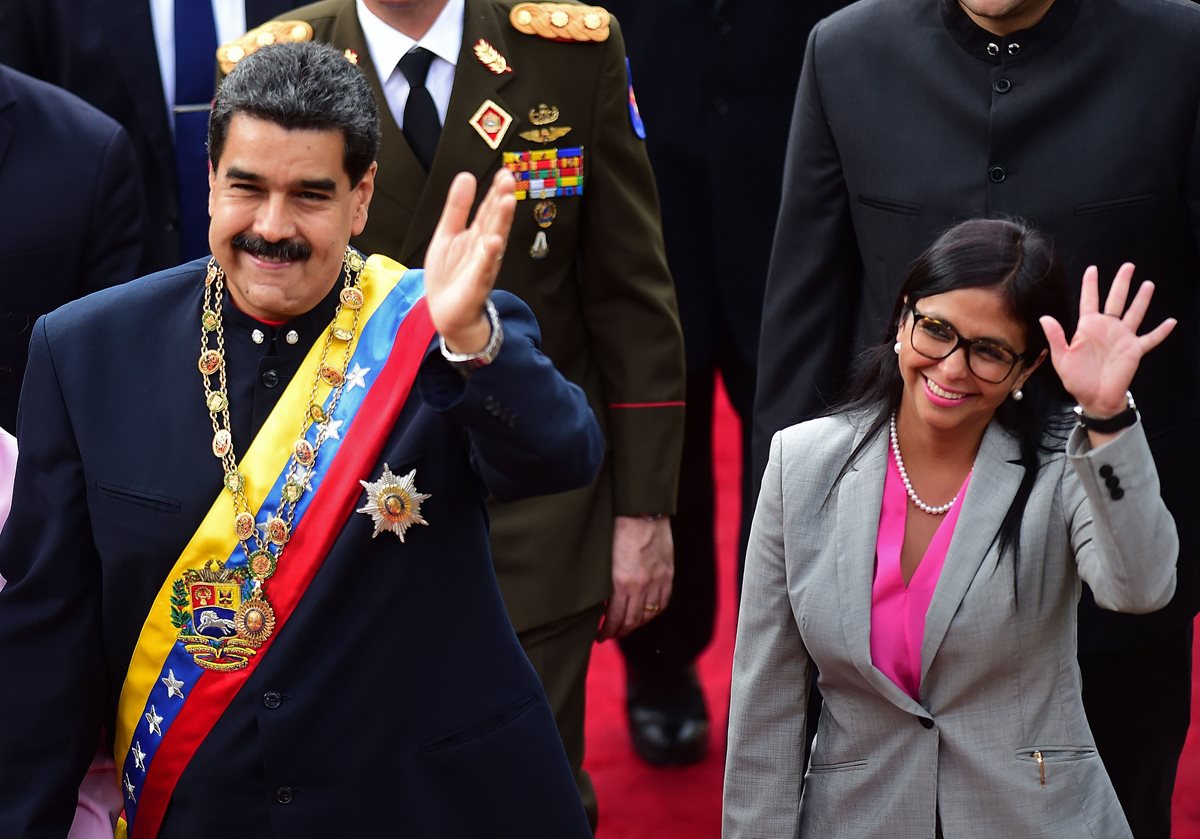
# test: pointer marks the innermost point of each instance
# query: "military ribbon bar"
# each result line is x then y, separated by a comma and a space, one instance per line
546, 173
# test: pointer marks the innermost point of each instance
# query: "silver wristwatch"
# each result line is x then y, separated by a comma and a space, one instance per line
466, 362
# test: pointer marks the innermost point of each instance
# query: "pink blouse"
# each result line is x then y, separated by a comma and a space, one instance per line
898, 611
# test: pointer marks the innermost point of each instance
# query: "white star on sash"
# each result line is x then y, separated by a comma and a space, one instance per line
129, 789
155, 721
303, 477
332, 429
174, 686
357, 377
139, 757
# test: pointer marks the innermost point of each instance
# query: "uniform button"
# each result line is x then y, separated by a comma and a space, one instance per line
270, 378
1105, 471
1014, 49
993, 49
721, 106
1112, 481
292, 336
926, 723
1002, 85
996, 174
285, 795
272, 699
1117, 494
257, 336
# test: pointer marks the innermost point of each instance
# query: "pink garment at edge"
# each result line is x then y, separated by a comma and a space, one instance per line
898, 611
99, 795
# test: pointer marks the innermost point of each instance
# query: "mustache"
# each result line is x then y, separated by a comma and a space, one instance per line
288, 250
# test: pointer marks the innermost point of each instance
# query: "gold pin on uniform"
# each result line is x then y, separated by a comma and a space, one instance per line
491, 58
491, 122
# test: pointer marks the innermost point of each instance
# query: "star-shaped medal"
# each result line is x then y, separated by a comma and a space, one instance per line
139, 757
155, 721
393, 503
174, 686
357, 377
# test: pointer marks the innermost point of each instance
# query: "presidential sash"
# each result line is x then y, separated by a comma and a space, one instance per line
189, 663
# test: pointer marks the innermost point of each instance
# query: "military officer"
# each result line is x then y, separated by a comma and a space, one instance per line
542, 88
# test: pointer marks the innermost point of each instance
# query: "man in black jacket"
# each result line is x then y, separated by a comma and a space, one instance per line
1080, 116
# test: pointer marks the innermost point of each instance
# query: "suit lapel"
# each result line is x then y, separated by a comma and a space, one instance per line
128, 24
859, 500
461, 149
7, 129
994, 483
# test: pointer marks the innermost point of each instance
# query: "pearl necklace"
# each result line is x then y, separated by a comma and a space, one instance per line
912, 493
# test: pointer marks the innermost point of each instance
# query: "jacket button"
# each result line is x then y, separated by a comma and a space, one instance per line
996, 174
285, 795
1002, 85
270, 379
272, 699
1105, 471
1112, 481
1117, 494
926, 723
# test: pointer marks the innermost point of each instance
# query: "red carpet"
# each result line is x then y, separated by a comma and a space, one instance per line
638, 802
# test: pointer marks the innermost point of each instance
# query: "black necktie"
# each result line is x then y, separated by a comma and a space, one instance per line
421, 126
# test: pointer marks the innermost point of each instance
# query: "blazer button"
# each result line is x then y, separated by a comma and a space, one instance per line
1117, 494
1002, 85
926, 723
1112, 482
272, 699
1106, 471
996, 174
270, 379
285, 795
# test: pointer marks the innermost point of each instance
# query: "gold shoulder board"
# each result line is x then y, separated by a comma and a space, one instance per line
271, 32
561, 21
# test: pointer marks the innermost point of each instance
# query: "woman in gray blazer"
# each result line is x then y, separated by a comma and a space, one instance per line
960, 714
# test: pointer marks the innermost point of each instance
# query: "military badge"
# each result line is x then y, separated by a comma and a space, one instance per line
222, 442
490, 58
271, 32
491, 122
393, 503
222, 616
351, 56
544, 213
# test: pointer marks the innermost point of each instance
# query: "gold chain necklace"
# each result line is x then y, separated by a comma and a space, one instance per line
264, 557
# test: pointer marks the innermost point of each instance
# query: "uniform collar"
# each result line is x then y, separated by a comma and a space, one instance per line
295, 337
1015, 46
388, 45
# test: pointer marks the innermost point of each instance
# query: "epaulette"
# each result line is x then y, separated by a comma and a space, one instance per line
561, 21
271, 32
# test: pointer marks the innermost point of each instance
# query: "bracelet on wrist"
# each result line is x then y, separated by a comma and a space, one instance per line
1109, 425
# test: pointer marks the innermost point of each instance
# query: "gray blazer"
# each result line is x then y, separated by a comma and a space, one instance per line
999, 679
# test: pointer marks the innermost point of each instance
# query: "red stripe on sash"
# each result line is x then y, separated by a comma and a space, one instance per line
331, 505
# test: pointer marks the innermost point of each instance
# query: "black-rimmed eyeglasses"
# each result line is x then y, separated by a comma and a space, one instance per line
937, 339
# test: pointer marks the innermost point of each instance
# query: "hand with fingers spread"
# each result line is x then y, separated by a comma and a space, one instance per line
1098, 364
643, 567
463, 261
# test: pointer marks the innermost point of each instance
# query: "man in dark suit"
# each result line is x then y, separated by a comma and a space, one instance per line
328, 651
126, 57
502, 88
1080, 116
73, 200
716, 130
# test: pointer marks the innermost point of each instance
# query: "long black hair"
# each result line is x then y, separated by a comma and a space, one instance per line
1018, 262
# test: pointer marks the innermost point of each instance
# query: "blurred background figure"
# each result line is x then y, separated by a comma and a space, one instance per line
715, 81
73, 213
150, 65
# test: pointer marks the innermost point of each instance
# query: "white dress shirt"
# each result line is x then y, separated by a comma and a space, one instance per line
387, 47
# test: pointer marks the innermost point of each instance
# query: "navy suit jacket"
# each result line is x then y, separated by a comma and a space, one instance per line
403, 696
73, 208
105, 54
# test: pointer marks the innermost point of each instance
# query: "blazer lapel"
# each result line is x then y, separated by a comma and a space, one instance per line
859, 500
461, 148
994, 483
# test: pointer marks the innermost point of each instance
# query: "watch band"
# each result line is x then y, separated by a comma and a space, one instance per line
1109, 425
466, 362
